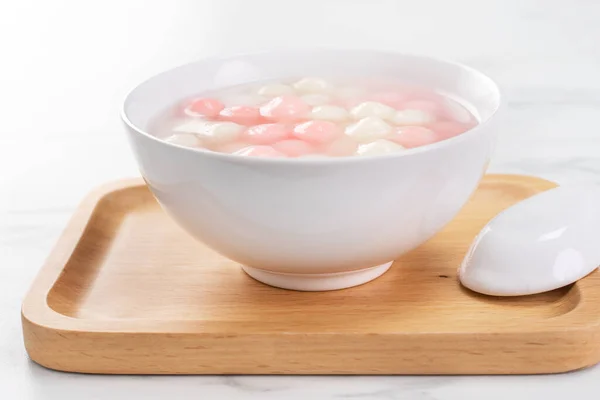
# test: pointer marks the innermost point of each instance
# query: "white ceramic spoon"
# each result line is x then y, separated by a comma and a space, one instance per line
545, 242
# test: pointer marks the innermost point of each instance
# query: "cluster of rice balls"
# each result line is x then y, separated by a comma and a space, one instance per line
311, 117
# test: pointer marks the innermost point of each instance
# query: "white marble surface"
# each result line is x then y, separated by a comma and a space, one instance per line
66, 65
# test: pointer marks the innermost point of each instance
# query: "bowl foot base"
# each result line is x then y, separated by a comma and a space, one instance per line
317, 282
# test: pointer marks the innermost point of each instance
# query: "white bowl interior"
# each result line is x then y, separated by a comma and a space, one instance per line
475, 90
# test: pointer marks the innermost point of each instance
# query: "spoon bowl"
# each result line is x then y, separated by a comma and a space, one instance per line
542, 243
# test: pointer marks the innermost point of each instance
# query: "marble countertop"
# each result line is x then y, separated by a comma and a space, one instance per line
67, 64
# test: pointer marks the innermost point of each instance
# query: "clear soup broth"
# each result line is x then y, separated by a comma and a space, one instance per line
314, 118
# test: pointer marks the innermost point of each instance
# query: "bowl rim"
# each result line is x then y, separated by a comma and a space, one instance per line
325, 160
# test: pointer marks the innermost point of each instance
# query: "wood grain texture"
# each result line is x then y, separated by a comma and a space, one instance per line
126, 291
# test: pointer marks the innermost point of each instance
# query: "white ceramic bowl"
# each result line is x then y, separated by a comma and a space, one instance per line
313, 224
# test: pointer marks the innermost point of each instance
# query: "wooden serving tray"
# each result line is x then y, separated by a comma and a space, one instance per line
126, 291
